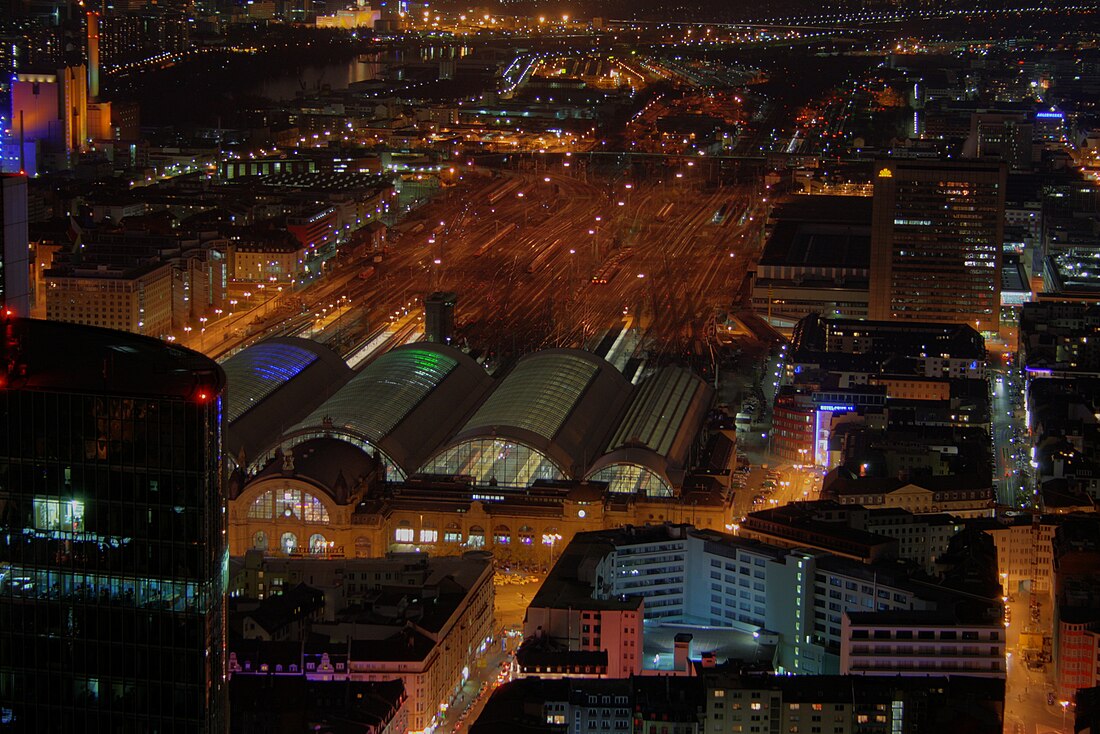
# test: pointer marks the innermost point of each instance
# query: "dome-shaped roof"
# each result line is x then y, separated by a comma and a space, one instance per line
659, 426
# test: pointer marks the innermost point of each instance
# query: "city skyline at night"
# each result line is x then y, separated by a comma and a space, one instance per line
427, 368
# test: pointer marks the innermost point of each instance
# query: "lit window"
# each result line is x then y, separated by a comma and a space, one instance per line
55, 514
429, 536
403, 535
317, 543
288, 504
289, 543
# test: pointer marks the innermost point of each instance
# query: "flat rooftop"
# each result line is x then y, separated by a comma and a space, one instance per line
821, 232
567, 585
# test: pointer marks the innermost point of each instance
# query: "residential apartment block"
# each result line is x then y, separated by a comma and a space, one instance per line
795, 597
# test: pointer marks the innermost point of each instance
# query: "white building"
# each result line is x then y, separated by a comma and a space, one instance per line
708, 579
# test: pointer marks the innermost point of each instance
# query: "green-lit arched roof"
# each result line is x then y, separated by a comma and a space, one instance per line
660, 424
404, 403
560, 402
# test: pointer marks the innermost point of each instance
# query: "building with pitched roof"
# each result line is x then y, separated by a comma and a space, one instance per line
423, 621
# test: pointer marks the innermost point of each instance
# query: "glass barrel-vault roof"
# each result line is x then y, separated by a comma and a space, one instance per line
537, 395
626, 478
383, 394
260, 370
657, 413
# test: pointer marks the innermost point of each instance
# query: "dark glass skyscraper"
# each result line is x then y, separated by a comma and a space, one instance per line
14, 261
439, 317
113, 546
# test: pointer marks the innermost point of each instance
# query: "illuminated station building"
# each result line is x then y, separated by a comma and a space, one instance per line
423, 450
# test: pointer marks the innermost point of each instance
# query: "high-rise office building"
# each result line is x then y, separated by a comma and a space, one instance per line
936, 238
14, 258
113, 554
439, 317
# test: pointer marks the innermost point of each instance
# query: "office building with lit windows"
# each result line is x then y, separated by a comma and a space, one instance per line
793, 599
937, 230
113, 549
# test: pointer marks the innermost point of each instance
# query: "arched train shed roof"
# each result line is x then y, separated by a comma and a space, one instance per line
405, 403
659, 426
272, 385
559, 402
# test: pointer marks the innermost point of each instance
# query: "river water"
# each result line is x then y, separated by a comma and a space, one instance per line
363, 67
310, 78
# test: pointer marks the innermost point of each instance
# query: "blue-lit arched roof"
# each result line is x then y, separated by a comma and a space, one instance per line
274, 383
260, 370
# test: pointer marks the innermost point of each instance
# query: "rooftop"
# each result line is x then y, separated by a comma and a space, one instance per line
293, 704
404, 403
570, 582
821, 232
560, 402
57, 356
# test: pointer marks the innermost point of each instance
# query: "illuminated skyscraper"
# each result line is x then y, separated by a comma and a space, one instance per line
113, 548
936, 239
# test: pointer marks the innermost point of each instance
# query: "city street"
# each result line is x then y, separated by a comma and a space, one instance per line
1026, 707
1009, 454
511, 605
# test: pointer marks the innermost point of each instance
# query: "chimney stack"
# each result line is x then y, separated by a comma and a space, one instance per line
680, 652
93, 56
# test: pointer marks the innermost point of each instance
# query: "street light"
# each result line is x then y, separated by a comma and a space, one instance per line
550, 539
1065, 706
